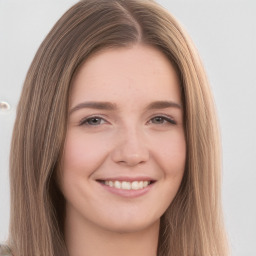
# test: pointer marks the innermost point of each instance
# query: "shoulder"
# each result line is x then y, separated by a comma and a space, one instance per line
5, 250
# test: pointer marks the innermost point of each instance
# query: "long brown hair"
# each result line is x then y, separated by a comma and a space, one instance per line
192, 225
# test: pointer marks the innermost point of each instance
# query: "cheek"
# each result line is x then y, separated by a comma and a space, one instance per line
170, 153
82, 155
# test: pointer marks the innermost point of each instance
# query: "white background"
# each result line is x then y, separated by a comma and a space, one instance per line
224, 32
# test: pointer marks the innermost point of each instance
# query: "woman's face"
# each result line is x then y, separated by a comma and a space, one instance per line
125, 148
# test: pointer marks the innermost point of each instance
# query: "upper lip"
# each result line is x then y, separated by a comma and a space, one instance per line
126, 178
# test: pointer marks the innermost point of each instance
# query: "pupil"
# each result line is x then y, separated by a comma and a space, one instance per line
94, 121
158, 119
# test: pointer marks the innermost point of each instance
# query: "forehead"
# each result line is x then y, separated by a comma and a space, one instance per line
137, 73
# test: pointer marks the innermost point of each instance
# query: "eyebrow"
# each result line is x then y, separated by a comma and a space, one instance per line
112, 106
163, 104
94, 105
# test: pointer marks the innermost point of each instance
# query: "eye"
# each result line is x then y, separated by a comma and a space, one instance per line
162, 120
92, 121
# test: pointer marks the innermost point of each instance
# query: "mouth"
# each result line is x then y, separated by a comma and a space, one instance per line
127, 185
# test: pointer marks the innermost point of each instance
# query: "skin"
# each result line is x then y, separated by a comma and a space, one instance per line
129, 137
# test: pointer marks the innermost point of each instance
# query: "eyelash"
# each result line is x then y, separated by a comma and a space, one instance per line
86, 120
168, 119
163, 117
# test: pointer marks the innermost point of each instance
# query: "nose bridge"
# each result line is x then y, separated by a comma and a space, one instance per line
131, 148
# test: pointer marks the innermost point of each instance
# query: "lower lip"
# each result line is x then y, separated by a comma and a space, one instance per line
128, 193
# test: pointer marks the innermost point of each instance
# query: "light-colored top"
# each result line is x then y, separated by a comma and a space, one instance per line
5, 250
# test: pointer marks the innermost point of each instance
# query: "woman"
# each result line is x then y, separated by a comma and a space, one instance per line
115, 147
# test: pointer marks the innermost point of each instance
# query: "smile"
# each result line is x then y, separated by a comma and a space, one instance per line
127, 185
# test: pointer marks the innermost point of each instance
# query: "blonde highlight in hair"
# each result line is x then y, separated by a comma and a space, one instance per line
192, 225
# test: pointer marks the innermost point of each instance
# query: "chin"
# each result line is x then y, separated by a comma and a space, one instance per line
130, 225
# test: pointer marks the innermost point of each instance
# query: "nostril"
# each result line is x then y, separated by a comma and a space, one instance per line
130, 152
131, 159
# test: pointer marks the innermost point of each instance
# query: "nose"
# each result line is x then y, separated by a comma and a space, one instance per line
130, 149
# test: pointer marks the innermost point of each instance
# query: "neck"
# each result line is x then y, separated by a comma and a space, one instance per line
92, 240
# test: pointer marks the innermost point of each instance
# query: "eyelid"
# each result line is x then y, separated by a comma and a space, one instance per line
85, 119
166, 117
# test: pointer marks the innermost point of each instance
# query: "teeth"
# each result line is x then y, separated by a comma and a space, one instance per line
117, 184
135, 185
126, 185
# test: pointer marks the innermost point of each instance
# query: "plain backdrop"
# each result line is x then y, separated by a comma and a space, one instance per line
224, 31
